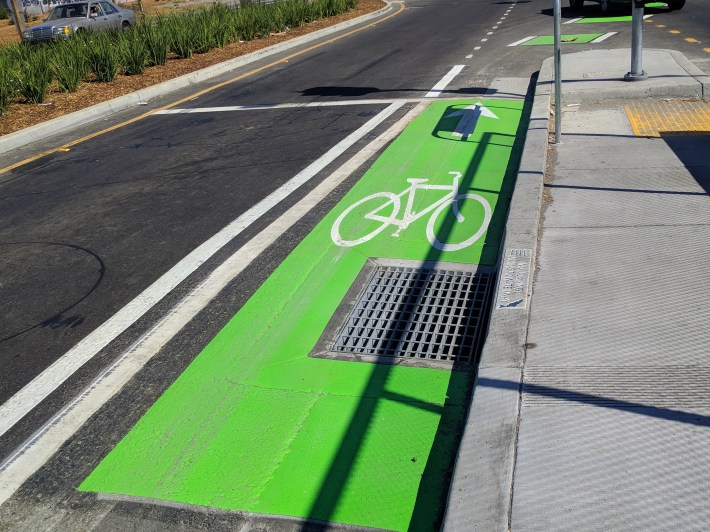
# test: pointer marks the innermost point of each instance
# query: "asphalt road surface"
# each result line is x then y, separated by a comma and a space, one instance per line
99, 243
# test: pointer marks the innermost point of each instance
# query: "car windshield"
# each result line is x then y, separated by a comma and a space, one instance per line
68, 11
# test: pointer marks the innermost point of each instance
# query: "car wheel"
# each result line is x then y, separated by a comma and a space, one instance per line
125, 25
576, 4
676, 4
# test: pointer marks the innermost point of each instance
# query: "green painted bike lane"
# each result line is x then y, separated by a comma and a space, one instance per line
255, 425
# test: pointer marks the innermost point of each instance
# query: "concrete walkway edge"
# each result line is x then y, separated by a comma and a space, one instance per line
481, 485
71, 121
481, 491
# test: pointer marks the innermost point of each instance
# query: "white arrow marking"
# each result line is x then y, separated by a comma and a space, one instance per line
469, 119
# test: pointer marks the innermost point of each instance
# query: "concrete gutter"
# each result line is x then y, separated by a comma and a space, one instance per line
71, 121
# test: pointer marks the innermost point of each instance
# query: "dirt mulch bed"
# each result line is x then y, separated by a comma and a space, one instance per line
22, 115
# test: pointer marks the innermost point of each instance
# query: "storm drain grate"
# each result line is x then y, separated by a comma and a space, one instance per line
432, 316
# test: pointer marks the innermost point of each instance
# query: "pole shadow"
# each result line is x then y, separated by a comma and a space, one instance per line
433, 488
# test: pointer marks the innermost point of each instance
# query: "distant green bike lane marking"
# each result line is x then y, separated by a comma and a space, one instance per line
255, 425
577, 38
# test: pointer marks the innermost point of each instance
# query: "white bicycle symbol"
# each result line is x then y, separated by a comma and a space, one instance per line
450, 200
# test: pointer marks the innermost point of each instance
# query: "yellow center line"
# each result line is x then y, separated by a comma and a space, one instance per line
690, 39
706, 50
673, 31
660, 25
68, 145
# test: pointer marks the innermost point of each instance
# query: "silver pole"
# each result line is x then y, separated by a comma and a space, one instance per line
637, 72
558, 71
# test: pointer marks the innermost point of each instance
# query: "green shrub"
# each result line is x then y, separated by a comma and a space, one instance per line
182, 38
157, 41
33, 74
102, 56
8, 82
68, 65
133, 51
203, 24
4, 14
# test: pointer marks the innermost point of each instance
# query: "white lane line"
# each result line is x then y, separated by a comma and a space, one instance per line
51, 378
489, 33
602, 37
573, 20
647, 16
339, 103
495, 27
521, 41
40, 447
476, 48
441, 85
469, 56
484, 40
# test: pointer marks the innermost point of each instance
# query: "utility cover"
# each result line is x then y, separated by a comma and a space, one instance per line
429, 314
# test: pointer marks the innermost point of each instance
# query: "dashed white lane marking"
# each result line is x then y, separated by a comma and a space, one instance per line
39, 448
476, 48
603, 37
51, 378
484, 40
469, 56
521, 41
489, 33
495, 27
573, 20
441, 85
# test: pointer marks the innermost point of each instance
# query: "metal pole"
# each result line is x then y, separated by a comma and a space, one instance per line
637, 72
558, 71
19, 17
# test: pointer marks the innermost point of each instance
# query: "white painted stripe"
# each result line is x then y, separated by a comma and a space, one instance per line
489, 33
603, 37
521, 41
51, 378
647, 16
469, 56
573, 20
436, 89
40, 447
476, 48
484, 40
339, 103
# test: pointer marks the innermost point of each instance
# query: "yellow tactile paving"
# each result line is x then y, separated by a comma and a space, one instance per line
655, 118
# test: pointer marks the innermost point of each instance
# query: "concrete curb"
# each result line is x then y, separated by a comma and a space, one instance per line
696, 84
68, 122
480, 496
481, 486
693, 70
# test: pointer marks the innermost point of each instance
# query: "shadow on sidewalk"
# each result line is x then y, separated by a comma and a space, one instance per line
691, 148
561, 394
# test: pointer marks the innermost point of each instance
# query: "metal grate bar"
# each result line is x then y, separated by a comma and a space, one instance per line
427, 314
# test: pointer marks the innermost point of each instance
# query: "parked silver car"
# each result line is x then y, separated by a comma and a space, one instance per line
67, 19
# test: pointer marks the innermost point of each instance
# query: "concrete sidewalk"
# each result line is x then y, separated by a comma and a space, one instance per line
592, 404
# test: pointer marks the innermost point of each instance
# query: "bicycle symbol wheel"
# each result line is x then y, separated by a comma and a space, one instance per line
453, 204
375, 223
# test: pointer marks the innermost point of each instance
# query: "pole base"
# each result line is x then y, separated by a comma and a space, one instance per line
636, 77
